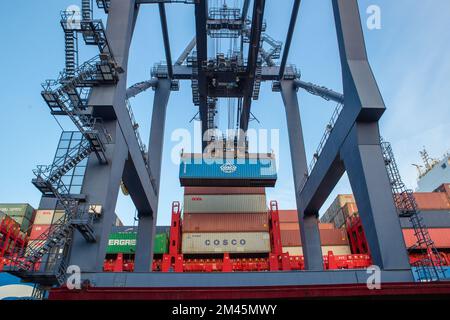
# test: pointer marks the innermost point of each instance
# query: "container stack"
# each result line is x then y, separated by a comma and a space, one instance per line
219, 220
44, 221
22, 213
331, 238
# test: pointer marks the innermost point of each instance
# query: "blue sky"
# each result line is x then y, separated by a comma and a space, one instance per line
409, 57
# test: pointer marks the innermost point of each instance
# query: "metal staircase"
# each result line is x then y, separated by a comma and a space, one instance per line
430, 267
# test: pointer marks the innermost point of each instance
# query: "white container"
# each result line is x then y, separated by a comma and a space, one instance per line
293, 251
337, 250
231, 242
44, 216
225, 203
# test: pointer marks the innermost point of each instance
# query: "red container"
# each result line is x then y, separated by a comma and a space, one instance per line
440, 236
290, 238
225, 222
432, 200
222, 190
37, 230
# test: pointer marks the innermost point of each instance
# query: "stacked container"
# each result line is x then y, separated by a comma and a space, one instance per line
331, 238
22, 213
219, 220
44, 221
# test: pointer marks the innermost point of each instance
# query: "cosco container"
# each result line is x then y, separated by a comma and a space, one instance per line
257, 172
223, 190
226, 222
207, 243
225, 203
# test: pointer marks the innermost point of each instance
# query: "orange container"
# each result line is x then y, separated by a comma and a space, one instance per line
328, 237
288, 216
432, 200
296, 226
226, 222
440, 236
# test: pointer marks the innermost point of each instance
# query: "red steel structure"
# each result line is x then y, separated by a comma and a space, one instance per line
12, 240
275, 261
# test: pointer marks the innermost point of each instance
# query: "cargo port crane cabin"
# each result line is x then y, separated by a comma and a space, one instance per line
353, 144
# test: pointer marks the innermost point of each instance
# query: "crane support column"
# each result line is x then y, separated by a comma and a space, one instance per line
124, 159
147, 223
101, 184
361, 152
308, 224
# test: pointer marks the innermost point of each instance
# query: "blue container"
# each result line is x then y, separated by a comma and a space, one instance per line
445, 269
249, 172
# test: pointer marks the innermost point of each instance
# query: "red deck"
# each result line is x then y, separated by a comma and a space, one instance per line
389, 290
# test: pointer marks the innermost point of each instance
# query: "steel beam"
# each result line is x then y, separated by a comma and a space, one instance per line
309, 229
165, 32
320, 91
255, 42
147, 224
201, 11
290, 33
183, 56
140, 87
269, 73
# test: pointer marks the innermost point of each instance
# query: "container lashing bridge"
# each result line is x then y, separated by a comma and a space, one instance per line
94, 95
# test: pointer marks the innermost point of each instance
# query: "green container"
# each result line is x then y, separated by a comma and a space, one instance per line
125, 242
18, 210
24, 223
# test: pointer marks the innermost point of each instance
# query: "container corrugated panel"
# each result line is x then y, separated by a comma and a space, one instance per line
334, 237
44, 216
226, 222
288, 215
24, 223
223, 190
336, 206
17, 210
37, 230
208, 243
296, 226
337, 250
231, 173
440, 236
58, 215
432, 200
125, 242
225, 203
293, 251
